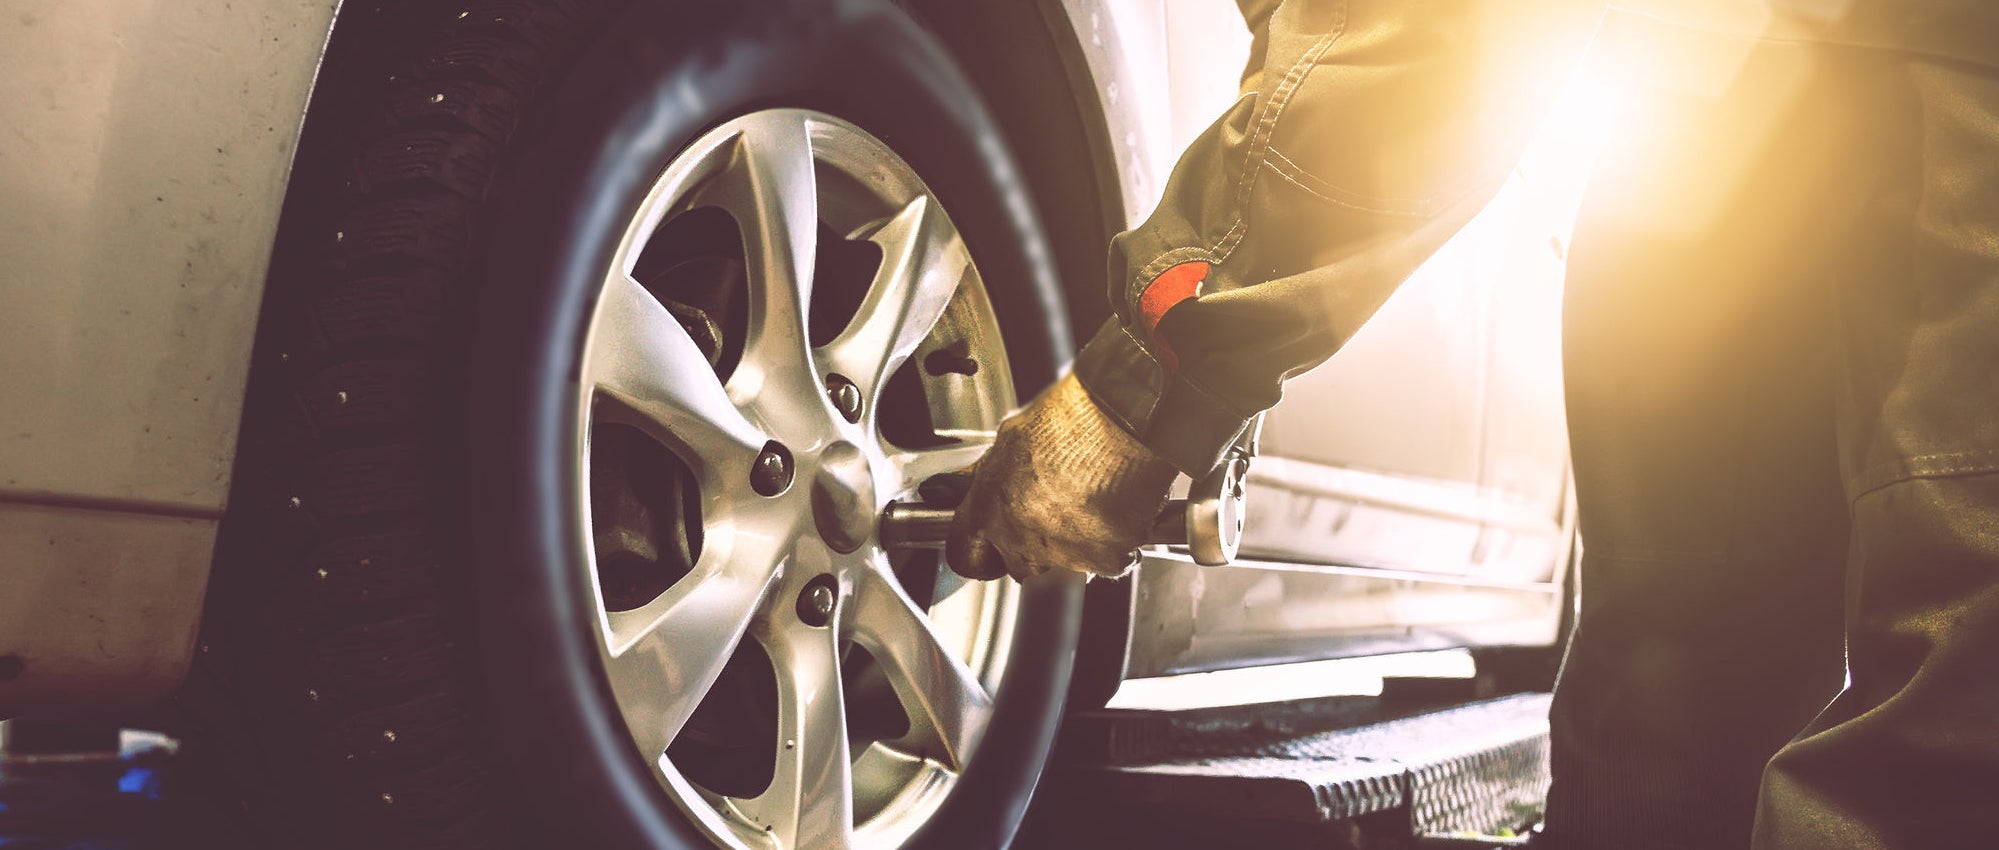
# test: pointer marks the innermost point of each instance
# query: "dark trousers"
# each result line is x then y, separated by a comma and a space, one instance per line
1782, 345
1782, 355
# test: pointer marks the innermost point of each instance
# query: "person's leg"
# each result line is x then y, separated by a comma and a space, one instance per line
1699, 378
1908, 755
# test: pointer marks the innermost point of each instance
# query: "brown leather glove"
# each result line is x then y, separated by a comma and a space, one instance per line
1063, 487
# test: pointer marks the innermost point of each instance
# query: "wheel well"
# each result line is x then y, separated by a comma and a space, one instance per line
1027, 65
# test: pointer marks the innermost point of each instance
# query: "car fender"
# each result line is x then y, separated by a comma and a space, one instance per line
144, 159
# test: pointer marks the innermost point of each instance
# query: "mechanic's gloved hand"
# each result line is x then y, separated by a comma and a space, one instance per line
1063, 487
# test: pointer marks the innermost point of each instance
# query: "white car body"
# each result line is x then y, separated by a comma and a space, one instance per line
144, 154
144, 161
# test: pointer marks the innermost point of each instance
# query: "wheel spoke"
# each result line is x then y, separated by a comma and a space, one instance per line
772, 192
948, 706
664, 656
923, 262
641, 356
760, 564
917, 465
810, 802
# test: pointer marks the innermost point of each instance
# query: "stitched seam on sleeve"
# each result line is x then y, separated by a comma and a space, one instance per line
1318, 187
1940, 465
1254, 158
1169, 376
1259, 145
1297, 180
1428, 206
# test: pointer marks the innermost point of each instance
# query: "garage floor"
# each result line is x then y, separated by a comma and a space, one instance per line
65, 790
1121, 776
135, 800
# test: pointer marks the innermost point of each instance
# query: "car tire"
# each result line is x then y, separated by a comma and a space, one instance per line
401, 647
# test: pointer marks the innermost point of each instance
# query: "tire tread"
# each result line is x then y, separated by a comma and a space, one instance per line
338, 610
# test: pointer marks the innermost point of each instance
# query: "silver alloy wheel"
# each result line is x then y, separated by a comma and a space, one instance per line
770, 564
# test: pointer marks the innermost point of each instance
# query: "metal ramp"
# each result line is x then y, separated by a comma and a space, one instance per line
1337, 772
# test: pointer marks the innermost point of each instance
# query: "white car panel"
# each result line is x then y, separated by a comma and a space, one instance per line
1435, 441
98, 610
143, 160
144, 149
1444, 399
1163, 71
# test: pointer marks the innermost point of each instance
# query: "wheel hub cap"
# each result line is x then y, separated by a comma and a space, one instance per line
843, 496
793, 410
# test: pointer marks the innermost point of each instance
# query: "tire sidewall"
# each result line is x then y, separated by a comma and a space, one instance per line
659, 76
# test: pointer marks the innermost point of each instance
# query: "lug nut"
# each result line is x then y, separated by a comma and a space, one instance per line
846, 397
815, 602
771, 473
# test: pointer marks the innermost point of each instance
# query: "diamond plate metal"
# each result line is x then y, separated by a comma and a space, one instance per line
1484, 791
1478, 767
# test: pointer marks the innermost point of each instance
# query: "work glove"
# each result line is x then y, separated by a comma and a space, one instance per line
1063, 488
